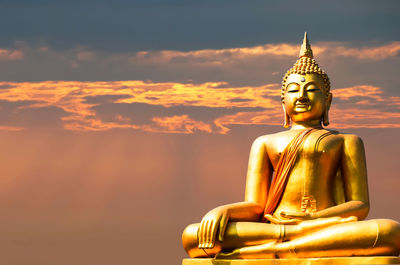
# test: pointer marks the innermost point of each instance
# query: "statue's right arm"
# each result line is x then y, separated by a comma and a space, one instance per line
257, 182
259, 173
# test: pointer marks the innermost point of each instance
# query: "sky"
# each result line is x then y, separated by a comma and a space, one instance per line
121, 122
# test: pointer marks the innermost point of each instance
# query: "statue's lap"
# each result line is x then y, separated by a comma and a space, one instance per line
305, 261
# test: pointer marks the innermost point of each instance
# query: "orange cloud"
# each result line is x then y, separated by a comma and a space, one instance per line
177, 107
72, 98
357, 91
378, 111
178, 124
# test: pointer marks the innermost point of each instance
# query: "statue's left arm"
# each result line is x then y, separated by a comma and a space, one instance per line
354, 173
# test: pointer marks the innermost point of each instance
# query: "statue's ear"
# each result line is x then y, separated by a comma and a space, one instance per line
329, 101
325, 119
286, 123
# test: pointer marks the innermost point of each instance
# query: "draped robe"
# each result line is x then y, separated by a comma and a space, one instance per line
283, 169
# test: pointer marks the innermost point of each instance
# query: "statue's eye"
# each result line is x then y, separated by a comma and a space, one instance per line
312, 88
292, 88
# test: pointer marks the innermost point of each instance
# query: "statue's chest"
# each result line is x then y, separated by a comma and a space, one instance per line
315, 166
320, 149
317, 148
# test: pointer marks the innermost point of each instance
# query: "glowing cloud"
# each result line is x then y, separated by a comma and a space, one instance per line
182, 108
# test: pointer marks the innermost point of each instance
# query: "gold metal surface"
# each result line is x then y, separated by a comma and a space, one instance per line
306, 189
308, 261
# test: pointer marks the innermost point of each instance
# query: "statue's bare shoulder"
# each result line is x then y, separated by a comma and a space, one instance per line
275, 139
272, 144
353, 146
348, 140
351, 139
268, 140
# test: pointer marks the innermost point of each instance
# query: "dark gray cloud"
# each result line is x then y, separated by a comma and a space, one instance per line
241, 100
6, 86
19, 114
185, 25
104, 98
142, 113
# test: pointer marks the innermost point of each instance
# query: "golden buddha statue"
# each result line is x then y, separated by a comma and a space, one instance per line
306, 188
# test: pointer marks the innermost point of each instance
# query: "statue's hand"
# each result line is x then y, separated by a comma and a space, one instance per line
215, 220
277, 221
298, 215
313, 215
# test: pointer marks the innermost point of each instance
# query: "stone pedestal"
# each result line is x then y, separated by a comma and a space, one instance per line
309, 261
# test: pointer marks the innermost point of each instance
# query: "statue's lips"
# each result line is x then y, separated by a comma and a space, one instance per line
302, 105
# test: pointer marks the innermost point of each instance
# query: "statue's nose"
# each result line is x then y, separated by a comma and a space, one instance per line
302, 94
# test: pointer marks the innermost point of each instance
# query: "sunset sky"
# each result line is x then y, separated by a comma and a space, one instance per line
121, 122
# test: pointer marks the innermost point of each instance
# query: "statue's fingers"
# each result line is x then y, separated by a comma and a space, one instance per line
290, 215
201, 233
268, 217
272, 219
206, 228
209, 233
214, 233
290, 222
350, 219
294, 214
222, 227
205, 234
275, 220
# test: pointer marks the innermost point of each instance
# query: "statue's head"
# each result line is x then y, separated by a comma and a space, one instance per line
305, 89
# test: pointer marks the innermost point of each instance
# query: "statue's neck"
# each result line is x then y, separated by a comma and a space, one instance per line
299, 125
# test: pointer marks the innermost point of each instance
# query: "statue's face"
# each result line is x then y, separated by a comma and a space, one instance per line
305, 97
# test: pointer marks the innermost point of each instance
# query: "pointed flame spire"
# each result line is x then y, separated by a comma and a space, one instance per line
305, 50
